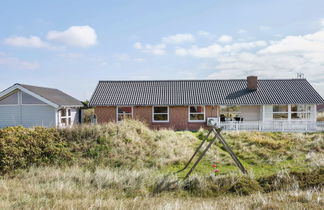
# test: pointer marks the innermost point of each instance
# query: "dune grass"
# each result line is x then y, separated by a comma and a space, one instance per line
105, 188
129, 166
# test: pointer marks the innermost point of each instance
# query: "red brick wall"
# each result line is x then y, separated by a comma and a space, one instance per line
178, 116
105, 114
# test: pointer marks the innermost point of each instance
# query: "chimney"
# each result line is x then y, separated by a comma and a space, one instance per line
252, 82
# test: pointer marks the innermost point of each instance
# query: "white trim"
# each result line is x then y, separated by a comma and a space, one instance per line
160, 121
9, 104
67, 117
34, 105
17, 86
197, 113
123, 106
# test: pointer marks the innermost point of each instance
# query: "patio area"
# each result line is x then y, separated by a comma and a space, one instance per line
273, 126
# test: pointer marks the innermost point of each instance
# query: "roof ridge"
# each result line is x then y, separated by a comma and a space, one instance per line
199, 80
37, 86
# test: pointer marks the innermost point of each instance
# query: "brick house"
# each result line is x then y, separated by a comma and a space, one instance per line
188, 104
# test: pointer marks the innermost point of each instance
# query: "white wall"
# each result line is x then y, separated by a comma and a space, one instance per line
38, 115
250, 113
9, 116
26, 114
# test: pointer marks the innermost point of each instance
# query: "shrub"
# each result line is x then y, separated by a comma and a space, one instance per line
21, 147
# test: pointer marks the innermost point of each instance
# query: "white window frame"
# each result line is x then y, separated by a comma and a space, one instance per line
161, 121
204, 120
287, 112
310, 112
67, 117
118, 114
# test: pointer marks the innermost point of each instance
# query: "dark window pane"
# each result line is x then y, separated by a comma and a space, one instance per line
298, 108
280, 108
69, 112
69, 120
125, 109
12, 99
28, 99
294, 108
196, 116
309, 108
63, 113
196, 109
280, 115
63, 120
160, 117
296, 116
124, 116
161, 109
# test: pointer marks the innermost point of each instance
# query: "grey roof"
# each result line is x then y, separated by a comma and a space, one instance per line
54, 95
203, 92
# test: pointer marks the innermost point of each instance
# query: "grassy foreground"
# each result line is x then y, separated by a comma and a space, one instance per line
128, 166
75, 188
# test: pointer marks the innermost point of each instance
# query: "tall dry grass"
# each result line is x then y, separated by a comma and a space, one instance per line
105, 188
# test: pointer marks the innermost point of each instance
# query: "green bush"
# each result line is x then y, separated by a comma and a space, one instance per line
21, 147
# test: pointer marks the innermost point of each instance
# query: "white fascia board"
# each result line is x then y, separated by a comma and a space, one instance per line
71, 106
17, 86
8, 90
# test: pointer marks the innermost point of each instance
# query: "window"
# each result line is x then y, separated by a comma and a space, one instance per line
230, 113
196, 113
10, 100
28, 99
280, 112
66, 117
300, 111
160, 114
124, 112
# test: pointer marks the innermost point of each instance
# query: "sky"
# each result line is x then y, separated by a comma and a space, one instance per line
71, 45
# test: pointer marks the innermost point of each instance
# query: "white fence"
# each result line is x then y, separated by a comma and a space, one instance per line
280, 126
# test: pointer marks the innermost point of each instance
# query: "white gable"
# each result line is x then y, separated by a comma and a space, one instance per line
11, 99
31, 96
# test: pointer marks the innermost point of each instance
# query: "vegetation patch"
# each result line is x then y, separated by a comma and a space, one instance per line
128, 161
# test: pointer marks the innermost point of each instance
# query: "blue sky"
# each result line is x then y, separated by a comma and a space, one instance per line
71, 45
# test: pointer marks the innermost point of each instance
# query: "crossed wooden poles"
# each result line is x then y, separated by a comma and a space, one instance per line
216, 131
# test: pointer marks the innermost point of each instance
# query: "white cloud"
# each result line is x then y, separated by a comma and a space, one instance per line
181, 51
204, 52
279, 59
13, 62
307, 43
322, 22
225, 39
178, 38
79, 36
215, 49
21, 41
205, 34
158, 49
